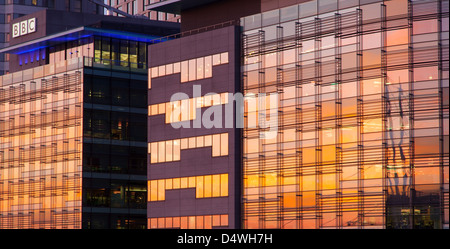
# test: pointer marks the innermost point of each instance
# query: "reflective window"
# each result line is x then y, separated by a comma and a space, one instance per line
189, 222
204, 186
367, 113
168, 151
194, 69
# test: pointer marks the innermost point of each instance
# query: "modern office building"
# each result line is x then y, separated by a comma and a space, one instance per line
73, 122
12, 9
361, 110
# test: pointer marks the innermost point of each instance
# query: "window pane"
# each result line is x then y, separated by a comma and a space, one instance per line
169, 151
161, 190
184, 71
200, 68
207, 186
208, 67
427, 145
199, 187
192, 141
154, 152
169, 222
169, 184
184, 222
153, 188
224, 144
199, 222
224, 220
184, 182
176, 150
191, 182
216, 59
216, 186
427, 175
192, 70
184, 143
176, 222
208, 141
154, 72
154, 223
224, 185
161, 152
289, 13
169, 69
216, 145
216, 220
176, 183
224, 58
397, 37
176, 67
208, 222
199, 141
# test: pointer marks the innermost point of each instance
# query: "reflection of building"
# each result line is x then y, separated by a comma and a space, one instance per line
362, 112
73, 122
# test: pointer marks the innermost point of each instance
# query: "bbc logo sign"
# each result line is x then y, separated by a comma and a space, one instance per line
24, 27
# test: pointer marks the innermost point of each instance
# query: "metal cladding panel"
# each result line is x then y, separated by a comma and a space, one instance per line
198, 161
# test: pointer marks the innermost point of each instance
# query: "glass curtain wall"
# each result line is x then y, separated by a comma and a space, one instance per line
362, 137
115, 150
117, 52
40, 149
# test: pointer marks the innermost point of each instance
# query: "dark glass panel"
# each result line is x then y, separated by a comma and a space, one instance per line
120, 92
101, 91
138, 94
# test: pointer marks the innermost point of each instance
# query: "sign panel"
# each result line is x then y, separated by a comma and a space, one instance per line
24, 27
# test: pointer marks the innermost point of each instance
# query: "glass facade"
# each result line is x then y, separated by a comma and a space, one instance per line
119, 52
114, 146
40, 147
73, 140
362, 138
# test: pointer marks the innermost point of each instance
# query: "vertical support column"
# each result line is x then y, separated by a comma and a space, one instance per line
11, 155
384, 107
280, 157
318, 120
42, 150
10, 181
244, 82
21, 157
65, 156
2, 154
32, 151
54, 152
411, 112
360, 117
338, 120
77, 160
441, 117
261, 159
299, 122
